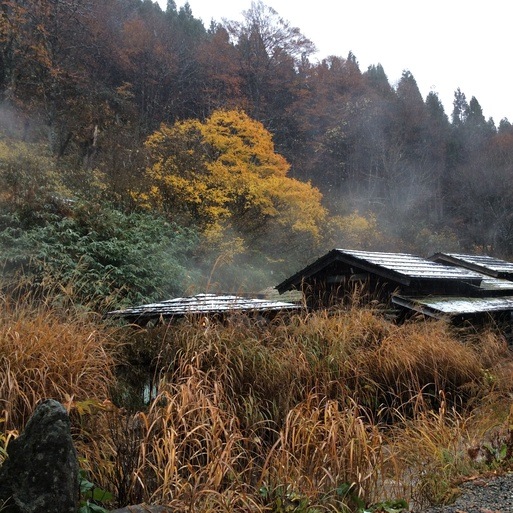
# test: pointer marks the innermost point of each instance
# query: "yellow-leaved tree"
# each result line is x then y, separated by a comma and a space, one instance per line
224, 176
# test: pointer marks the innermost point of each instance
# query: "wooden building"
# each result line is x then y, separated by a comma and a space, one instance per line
445, 285
340, 272
492, 298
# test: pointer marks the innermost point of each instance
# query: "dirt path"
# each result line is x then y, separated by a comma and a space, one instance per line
482, 495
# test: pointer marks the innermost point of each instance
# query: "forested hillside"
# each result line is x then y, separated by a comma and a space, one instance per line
143, 154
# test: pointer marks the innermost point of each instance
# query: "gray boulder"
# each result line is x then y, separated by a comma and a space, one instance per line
40, 474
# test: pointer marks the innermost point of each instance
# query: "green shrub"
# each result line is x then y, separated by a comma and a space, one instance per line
98, 254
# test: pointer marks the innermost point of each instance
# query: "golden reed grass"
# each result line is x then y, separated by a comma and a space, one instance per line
248, 415
45, 355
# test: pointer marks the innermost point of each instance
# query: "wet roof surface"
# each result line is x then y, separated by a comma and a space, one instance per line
399, 267
203, 304
456, 305
495, 284
484, 263
412, 266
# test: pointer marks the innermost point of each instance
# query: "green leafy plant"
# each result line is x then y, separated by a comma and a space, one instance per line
389, 506
98, 255
496, 453
284, 499
348, 493
92, 497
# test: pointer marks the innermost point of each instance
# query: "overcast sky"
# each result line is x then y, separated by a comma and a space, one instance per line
445, 44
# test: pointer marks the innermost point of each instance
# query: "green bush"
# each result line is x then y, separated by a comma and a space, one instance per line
98, 254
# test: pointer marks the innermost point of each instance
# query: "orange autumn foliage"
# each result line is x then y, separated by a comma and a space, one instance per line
224, 174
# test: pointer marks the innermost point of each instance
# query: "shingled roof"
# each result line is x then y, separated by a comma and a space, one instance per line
201, 304
401, 268
450, 306
484, 264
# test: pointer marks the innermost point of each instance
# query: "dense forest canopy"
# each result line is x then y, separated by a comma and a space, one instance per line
228, 146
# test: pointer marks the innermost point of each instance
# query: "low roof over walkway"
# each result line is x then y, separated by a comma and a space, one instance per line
202, 304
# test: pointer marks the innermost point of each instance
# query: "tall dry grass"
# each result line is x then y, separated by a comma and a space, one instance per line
194, 453
355, 353
302, 406
319, 411
326, 443
44, 354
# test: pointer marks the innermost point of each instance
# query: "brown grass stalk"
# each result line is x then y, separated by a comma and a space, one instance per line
44, 355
